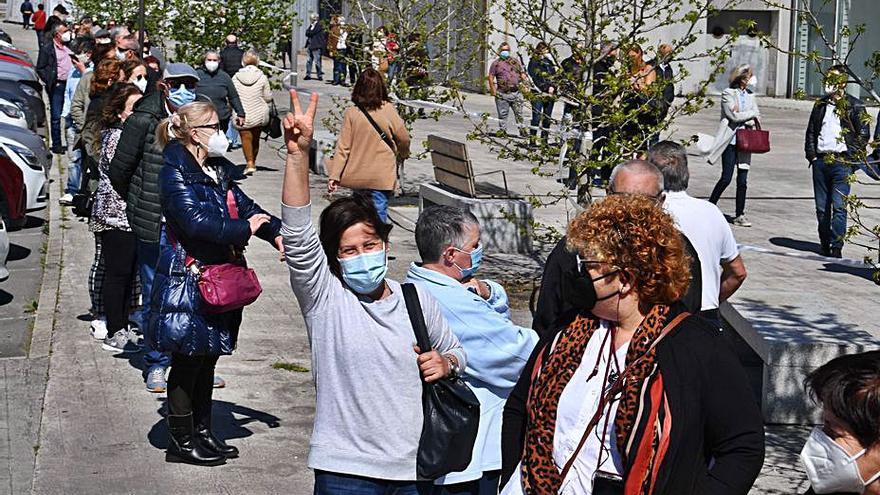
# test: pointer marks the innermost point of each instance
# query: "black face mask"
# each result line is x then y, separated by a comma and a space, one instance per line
578, 289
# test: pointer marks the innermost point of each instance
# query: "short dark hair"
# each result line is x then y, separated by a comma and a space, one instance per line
40, 6
441, 226
849, 387
369, 91
671, 158
342, 214
115, 103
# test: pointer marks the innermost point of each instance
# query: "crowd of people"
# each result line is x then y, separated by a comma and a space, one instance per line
625, 382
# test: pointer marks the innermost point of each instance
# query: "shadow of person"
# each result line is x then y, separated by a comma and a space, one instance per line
225, 423
797, 245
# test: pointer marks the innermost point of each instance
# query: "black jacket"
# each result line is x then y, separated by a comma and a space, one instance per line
134, 170
316, 38
542, 72
856, 124
553, 312
47, 65
219, 88
666, 75
230, 59
715, 412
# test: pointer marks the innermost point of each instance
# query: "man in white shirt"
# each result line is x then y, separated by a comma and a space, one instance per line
722, 267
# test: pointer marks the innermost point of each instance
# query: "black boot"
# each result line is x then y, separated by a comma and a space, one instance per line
184, 447
206, 438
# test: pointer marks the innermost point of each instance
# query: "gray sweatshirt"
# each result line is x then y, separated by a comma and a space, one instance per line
368, 416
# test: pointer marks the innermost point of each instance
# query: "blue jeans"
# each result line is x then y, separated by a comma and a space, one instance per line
339, 69
147, 257
232, 134
487, 485
380, 201
56, 104
314, 57
542, 112
829, 188
327, 483
728, 164
74, 160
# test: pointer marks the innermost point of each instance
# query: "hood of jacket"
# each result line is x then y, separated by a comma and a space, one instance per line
248, 75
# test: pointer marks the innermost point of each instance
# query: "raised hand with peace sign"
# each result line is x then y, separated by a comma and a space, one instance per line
299, 127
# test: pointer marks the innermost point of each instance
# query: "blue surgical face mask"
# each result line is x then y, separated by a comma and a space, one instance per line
476, 259
505, 53
180, 96
364, 273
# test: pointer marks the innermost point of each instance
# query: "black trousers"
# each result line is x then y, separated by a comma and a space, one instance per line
190, 387
728, 165
119, 249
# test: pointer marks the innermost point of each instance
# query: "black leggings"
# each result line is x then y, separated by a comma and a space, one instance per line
190, 386
728, 165
119, 249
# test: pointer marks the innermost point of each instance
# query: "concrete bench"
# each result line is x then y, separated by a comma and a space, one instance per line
778, 352
321, 149
505, 218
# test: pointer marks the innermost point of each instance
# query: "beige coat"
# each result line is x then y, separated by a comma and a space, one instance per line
253, 89
362, 160
732, 118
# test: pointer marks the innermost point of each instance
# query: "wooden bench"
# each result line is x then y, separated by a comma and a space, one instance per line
453, 170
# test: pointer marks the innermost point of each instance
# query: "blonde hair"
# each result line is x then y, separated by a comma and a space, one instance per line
739, 72
187, 117
250, 57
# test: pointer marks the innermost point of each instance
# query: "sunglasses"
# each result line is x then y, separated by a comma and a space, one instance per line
215, 126
188, 83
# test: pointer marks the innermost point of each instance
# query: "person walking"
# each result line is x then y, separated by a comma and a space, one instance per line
54, 66
339, 279
108, 221
27, 10
198, 197
316, 42
371, 143
254, 91
448, 240
593, 410
39, 19
505, 76
542, 70
231, 56
134, 174
835, 143
219, 88
738, 110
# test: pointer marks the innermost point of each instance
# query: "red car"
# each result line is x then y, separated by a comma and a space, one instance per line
13, 199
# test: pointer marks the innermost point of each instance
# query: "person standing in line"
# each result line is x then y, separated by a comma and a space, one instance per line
109, 222
83, 65
365, 160
54, 66
836, 141
505, 76
542, 70
316, 41
722, 267
27, 10
665, 73
338, 46
254, 91
347, 301
40, 24
639, 104
604, 68
134, 174
573, 116
218, 86
738, 109
448, 240
197, 183
230, 63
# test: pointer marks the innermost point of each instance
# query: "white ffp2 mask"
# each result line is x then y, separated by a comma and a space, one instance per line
830, 468
217, 144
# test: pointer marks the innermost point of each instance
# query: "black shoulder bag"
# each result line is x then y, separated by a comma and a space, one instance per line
451, 410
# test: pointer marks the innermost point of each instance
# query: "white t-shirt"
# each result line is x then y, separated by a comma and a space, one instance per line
577, 404
706, 228
831, 135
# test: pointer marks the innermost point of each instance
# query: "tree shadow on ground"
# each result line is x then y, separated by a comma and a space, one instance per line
225, 423
782, 473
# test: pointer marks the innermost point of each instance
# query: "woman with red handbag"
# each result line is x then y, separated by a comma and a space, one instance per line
738, 108
202, 281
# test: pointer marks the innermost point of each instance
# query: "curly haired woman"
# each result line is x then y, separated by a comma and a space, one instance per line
636, 396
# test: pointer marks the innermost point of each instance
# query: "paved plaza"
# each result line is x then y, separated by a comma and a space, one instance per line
77, 419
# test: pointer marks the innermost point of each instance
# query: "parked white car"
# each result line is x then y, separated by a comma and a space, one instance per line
12, 114
32, 158
4, 251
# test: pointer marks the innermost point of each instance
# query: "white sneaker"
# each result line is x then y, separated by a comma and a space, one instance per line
67, 199
99, 328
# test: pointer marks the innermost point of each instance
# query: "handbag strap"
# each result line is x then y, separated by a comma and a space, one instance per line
616, 388
416, 317
382, 134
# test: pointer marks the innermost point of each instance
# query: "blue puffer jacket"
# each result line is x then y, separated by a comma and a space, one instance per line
195, 211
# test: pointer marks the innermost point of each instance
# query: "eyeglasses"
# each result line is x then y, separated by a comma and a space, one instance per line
139, 77
188, 83
215, 126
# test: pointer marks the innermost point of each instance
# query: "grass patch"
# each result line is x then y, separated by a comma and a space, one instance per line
292, 367
31, 307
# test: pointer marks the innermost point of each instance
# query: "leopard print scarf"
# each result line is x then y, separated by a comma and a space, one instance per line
540, 476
